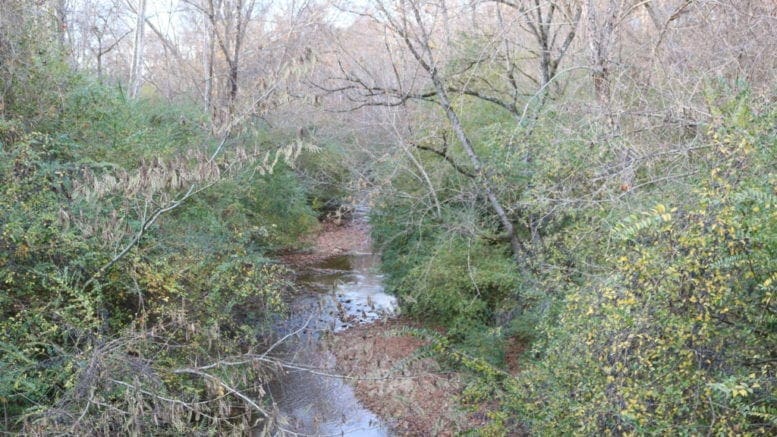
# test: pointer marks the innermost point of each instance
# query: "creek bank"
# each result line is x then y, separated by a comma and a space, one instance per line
412, 396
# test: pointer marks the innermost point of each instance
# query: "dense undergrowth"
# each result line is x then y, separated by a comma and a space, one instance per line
131, 261
136, 280
647, 311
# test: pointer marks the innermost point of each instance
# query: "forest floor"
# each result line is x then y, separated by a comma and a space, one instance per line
413, 396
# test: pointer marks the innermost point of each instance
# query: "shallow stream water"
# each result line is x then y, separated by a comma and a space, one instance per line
338, 293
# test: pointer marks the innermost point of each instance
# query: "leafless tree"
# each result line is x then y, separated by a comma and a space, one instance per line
228, 22
416, 26
96, 30
552, 25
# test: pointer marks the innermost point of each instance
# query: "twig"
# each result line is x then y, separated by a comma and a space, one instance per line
143, 228
444, 155
245, 398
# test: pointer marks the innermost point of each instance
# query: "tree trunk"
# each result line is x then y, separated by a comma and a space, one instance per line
234, 62
137, 53
99, 67
233, 76
210, 67
60, 10
482, 179
601, 44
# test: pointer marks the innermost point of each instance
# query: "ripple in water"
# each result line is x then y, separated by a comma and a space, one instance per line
344, 291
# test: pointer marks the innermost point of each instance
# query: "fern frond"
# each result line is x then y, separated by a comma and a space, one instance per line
730, 261
634, 224
763, 198
764, 413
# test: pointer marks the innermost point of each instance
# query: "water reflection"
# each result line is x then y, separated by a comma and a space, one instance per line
341, 292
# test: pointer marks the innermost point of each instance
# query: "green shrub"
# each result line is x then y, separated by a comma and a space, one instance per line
680, 337
88, 329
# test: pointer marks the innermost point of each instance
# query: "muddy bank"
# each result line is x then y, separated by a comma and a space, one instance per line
413, 395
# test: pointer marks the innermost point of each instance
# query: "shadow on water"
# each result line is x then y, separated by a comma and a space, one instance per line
340, 292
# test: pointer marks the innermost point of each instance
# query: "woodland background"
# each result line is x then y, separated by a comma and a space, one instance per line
593, 180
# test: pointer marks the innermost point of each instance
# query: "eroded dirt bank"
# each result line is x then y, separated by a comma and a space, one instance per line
413, 396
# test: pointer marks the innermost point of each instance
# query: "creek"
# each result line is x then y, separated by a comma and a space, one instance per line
337, 293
